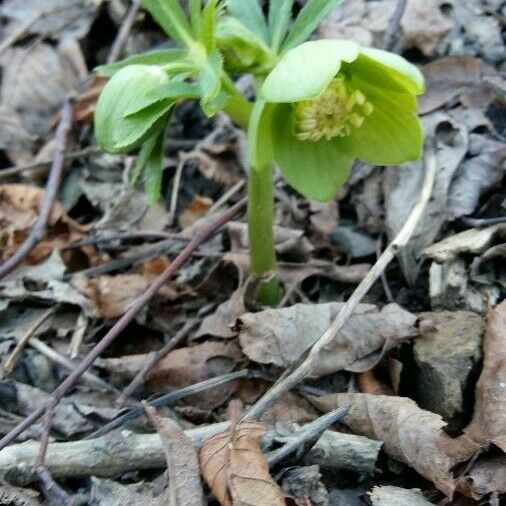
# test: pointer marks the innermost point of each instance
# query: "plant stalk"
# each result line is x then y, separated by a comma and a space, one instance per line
261, 234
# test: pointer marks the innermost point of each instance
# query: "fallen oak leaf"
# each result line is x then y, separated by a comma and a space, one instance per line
236, 470
282, 336
185, 488
410, 434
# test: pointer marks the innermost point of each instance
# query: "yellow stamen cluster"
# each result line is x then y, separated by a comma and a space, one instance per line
332, 114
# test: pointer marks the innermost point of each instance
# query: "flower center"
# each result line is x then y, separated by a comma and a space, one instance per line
332, 114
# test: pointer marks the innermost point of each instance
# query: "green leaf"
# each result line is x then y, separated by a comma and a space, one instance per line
171, 17
159, 57
195, 8
244, 51
153, 173
144, 153
307, 21
392, 134
209, 19
260, 153
217, 104
306, 70
125, 91
280, 13
315, 169
210, 78
250, 14
174, 90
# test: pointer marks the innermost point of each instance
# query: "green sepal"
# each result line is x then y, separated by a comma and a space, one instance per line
392, 134
171, 17
317, 170
305, 71
311, 15
250, 14
158, 57
153, 172
260, 153
125, 91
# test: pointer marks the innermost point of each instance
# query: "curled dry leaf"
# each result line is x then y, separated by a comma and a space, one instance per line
184, 488
282, 336
410, 434
235, 468
486, 477
489, 421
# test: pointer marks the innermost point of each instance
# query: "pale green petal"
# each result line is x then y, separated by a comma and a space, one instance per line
315, 169
306, 70
415, 79
392, 134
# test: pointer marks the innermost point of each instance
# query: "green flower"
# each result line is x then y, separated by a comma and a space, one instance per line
328, 102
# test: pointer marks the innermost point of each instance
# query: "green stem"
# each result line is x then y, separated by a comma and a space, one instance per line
261, 233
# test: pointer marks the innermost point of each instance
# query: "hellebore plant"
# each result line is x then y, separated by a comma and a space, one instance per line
319, 105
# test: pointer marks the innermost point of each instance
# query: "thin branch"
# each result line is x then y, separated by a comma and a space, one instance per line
10, 363
306, 368
124, 31
153, 359
30, 167
202, 235
51, 489
52, 186
392, 33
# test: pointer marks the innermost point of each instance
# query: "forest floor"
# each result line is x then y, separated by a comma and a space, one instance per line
407, 404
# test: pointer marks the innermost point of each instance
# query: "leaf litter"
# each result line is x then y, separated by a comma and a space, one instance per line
431, 331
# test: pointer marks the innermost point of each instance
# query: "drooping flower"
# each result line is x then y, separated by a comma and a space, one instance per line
329, 102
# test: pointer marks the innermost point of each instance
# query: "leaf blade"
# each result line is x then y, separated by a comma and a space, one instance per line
280, 12
251, 15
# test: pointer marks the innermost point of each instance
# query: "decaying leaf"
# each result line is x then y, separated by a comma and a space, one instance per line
302, 485
183, 367
19, 209
474, 241
489, 420
16, 496
282, 336
488, 475
106, 492
184, 487
451, 77
112, 296
235, 469
410, 434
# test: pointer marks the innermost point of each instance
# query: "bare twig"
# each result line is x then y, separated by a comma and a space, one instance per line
176, 183
126, 26
153, 359
29, 167
483, 222
52, 186
51, 489
392, 33
10, 363
306, 368
311, 431
201, 236
384, 280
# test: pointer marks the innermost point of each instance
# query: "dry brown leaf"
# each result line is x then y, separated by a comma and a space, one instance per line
487, 476
197, 209
395, 496
450, 77
489, 420
19, 209
112, 296
235, 468
282, 336
410, 434
184, 487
